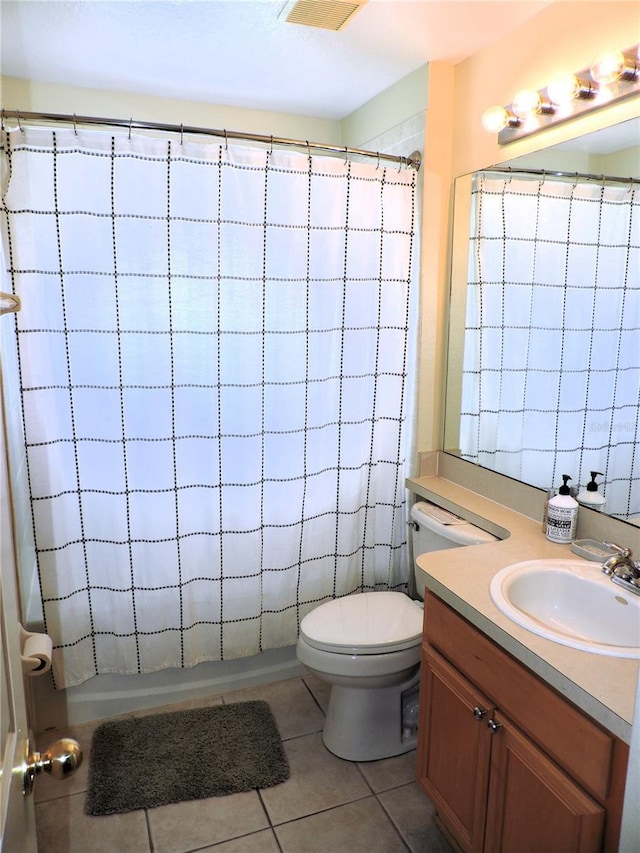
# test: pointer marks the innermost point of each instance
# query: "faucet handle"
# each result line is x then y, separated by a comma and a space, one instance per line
626, 552
622, 556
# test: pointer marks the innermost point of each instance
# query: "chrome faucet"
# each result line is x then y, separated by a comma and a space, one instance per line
622, 568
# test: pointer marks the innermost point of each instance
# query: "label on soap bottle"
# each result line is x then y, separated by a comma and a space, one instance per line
561, 524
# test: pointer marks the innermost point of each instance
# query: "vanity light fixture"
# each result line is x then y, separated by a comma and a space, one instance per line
566, 87
614, 65
494, 119
528, 103
611, 77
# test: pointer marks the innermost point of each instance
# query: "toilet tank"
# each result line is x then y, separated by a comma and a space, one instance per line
435, 529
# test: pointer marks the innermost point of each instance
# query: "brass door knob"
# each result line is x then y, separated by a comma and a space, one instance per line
61, 759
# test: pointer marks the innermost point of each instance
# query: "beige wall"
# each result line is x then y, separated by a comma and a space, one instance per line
32, 96
564, 36
389, 109
434, 256
401, 101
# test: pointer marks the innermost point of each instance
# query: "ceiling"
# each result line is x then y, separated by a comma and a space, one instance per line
239, 53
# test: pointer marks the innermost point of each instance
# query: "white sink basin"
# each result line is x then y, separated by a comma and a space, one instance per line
572, 603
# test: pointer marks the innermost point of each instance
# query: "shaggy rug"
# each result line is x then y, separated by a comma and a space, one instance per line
143, 762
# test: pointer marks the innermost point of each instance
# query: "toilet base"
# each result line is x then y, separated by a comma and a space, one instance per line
365, 724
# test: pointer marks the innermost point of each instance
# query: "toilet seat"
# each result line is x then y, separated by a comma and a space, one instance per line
370, 623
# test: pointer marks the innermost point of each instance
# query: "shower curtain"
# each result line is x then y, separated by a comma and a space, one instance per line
213, 366
553, 319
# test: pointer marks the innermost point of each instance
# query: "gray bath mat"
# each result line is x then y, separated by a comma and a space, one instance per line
143, 762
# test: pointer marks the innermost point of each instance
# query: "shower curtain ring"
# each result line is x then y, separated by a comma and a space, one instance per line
130, 123
631, 183
75, 126
378, 163
510, 175
2, 122
308, 148
346, 155
19, 124
544, 177
271, 146
226, 141
181, 133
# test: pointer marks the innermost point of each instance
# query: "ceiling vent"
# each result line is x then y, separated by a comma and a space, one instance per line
327, 14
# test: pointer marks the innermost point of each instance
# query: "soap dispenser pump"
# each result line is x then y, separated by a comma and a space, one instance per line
562, 515
590, 496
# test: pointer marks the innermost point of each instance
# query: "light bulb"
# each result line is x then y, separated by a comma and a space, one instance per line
564, 89
526, 103
495, 119
608, 67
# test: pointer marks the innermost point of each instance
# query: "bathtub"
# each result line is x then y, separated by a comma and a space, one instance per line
111, 695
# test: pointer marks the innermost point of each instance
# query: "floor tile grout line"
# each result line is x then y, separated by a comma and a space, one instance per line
235, 838
324, 811
364, 778
303, 735
394, 787
149, 836
63, 797
41, 801
268, 816
390, 816
264, 807
312, 694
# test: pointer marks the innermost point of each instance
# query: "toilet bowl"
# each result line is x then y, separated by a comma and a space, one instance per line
367, 647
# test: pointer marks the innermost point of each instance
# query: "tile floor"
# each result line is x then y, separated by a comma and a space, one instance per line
328, 805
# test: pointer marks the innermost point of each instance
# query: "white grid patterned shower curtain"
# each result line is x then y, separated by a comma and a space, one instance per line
213, 366
551, 375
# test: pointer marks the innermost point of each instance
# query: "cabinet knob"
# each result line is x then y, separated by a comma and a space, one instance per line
493, 726
478, 713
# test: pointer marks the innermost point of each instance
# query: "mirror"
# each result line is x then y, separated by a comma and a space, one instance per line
613, 151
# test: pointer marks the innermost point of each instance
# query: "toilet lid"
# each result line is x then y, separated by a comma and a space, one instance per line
368, 623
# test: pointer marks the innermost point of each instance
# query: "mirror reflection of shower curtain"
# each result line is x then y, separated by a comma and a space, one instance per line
553, 320
212, 357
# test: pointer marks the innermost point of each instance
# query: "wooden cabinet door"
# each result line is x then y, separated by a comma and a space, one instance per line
533, 806
453, 749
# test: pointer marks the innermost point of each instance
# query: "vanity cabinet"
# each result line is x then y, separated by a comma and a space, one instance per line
509, 764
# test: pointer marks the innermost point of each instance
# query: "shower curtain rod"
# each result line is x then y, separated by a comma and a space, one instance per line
412, 161
552, 173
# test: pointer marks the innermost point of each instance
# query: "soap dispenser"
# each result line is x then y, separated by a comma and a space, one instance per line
562, 515
590, 496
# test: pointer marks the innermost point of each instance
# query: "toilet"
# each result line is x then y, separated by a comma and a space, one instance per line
367, 647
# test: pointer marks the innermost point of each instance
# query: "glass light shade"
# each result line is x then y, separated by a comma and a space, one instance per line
608, 67
526, 103
564, 89
495, 119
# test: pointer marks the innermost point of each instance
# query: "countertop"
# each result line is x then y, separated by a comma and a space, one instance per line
604, 687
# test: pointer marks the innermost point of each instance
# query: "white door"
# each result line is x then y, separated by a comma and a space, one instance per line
19, 764
17, 814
